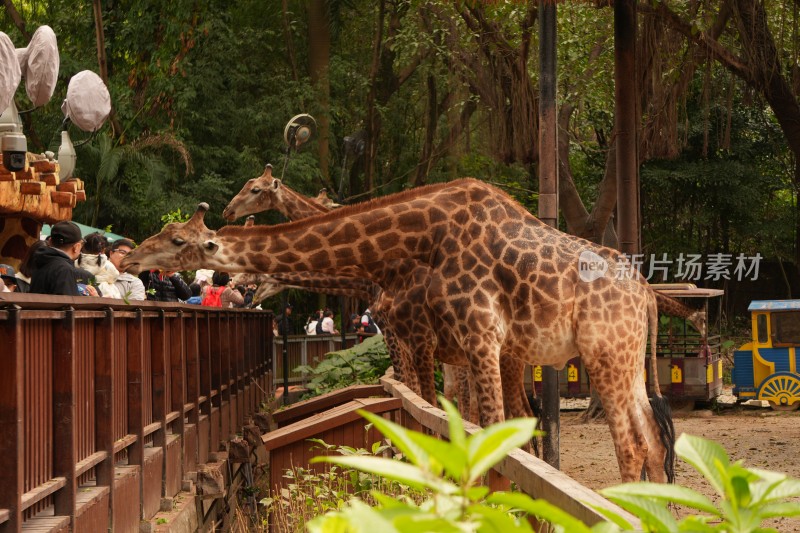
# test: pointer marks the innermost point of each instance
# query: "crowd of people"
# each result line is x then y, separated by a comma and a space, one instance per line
69, 264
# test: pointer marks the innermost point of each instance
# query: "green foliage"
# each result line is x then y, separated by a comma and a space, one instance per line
450, 472
747, 496
175, 216
308, 494
363, 363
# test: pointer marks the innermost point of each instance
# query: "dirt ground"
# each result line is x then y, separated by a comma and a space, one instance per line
759, 436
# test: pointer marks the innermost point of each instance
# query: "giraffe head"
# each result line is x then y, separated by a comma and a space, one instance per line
179, 246
258, 194
698, 320
324, 200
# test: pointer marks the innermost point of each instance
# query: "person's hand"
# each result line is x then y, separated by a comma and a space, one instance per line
91, 290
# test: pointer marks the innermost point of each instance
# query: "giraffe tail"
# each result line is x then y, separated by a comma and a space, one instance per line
652, 320
662, 412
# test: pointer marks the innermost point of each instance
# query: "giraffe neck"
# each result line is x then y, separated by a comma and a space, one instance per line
414, 225
336, 285
295, 206
672, 307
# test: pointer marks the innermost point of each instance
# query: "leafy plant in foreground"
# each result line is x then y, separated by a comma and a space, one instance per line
450, 472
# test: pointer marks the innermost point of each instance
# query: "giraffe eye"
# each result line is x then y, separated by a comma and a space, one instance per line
177, 241
255, 190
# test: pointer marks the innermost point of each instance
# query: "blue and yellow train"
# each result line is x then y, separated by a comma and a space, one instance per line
766, 367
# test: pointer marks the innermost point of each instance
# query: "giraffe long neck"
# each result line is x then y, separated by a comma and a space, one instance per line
415, 227
672, 307
295, 206
336, 285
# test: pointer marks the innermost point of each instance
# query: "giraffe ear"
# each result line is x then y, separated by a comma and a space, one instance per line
211, 246
276, 184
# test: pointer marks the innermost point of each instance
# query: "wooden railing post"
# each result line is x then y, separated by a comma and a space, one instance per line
241, 395
64, 422
227, 398
12, 441
192, 386
135, 339
158, 372
177, 355
206, 385
104, 361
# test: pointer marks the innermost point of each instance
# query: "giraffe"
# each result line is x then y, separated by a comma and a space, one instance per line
267, 192
504, 283
407, 311
672, 307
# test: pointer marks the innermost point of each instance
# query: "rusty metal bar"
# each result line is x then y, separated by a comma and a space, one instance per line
12, 472
64, 421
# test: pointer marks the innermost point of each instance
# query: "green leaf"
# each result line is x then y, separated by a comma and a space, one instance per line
444, 454
540, 509
427, 522
495, 521
775, 510
400, 437
613, 517
664, 492
488, 447
457, 435
702, 454
651, 513
392, 469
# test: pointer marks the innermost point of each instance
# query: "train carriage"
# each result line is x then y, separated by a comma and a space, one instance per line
766, 367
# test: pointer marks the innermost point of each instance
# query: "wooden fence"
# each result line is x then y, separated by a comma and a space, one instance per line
105, 407
334, 419
305, 350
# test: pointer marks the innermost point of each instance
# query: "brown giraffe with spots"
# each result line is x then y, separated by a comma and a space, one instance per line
503, 282
403, 307
671, 307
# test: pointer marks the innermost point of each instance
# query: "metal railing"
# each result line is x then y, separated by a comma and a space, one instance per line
90, 384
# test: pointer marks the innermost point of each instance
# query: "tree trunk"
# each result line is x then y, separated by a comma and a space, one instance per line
102, 63
319, 55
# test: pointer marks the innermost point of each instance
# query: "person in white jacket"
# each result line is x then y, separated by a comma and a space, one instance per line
94, 260
129, 286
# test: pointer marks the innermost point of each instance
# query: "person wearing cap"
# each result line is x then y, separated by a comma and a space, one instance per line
370, 326
130, 287
54, 271
8, 276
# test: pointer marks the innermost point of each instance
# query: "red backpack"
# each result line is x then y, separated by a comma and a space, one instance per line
213, 297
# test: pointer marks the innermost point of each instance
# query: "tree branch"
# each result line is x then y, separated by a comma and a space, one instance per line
17, 18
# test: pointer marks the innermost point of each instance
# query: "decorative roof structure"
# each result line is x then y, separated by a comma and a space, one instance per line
30, 198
